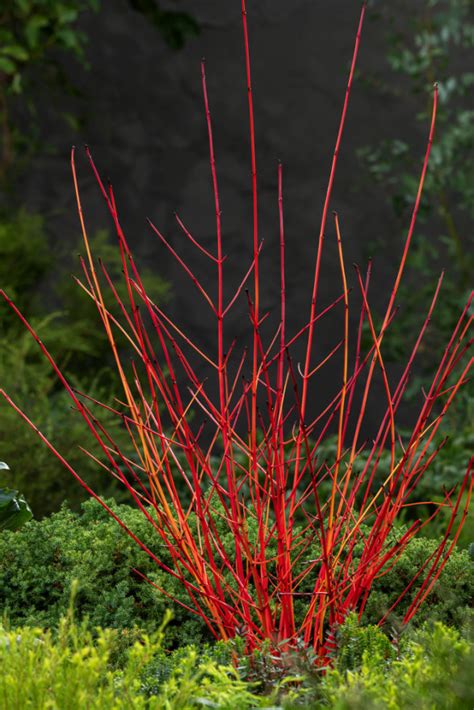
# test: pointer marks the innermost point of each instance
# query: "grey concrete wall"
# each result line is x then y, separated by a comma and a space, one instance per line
147, 131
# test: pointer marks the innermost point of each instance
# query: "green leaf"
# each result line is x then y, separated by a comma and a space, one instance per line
7, 66
24, 5
16, 51
14, 510
33, 28
16, 87
69, 39
67, 15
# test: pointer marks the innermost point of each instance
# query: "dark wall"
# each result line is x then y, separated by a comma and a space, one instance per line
146, 128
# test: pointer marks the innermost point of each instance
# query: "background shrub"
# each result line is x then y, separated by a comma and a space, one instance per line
25, 262
444, 472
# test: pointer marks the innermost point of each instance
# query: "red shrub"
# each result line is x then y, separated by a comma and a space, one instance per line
259, 473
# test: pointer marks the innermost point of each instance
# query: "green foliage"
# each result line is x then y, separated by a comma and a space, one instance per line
34, 470
368, 671
450, 600
433, 671
14, 510
32, 33
445, 471
198, 682
80, 347
164, 663
437, 526
72, 669
39, 563
175, 27
29, 32
33, 36
354, 642
433, 43
30, 28
24, 261
78, 338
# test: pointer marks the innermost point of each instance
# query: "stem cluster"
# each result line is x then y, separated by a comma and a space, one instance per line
303, 528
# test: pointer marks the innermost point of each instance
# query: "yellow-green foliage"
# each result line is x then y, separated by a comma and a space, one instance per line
355, 642
194, 684
73, 670
433, 671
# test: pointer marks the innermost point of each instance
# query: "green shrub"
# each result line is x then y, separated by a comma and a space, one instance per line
444, 472
198, 682
450, 599
164, 664
433, 671
26, 260
434, 41
39, 562
354, 641
33, 469
72, 670
428, 668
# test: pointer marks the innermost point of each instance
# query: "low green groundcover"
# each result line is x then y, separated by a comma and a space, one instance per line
72, 668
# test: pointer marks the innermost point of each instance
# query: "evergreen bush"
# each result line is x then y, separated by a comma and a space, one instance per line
39, 563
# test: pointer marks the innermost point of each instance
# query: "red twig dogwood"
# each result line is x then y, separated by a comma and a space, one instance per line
260, 467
